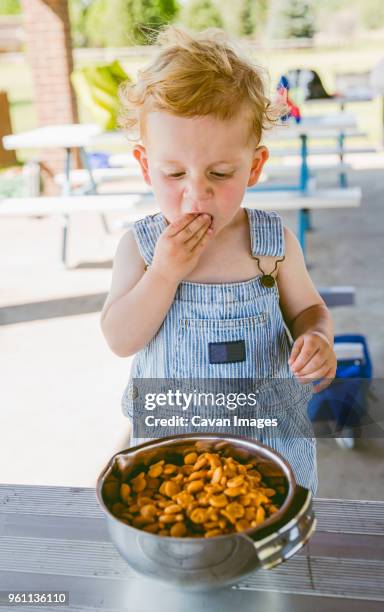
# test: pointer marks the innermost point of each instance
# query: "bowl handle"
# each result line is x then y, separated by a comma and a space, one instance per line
286, 537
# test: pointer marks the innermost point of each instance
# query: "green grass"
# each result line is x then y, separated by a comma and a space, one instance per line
16, 79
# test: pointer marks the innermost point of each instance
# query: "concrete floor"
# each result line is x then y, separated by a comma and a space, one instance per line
60, 417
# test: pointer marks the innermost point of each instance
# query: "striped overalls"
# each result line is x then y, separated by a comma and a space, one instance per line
246, 317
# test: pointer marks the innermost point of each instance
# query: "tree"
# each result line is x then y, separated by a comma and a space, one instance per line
201, 14
372, 13
253, 14
245, 18
10, 7
247, 25
77, 15
299, 19
127, 22
148, 16
106, 23
291, 19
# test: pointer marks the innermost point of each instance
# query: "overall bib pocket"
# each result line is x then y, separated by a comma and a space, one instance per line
225, 348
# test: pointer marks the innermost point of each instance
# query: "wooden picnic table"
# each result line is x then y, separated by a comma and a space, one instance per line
55, 539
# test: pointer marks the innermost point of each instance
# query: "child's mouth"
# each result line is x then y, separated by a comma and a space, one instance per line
210, 216
211, 226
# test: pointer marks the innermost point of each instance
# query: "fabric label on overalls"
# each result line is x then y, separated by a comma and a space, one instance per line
226, 352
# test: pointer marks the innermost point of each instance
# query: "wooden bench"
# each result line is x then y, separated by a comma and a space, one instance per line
134, 206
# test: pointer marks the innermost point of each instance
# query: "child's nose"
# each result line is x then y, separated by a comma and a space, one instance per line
196, 207
196, 195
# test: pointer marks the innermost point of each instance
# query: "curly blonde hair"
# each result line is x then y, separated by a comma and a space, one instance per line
197, 75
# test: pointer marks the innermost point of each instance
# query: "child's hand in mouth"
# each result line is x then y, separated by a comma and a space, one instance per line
181, 245
205, 213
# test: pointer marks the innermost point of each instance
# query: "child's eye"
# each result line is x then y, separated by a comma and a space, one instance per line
220, 174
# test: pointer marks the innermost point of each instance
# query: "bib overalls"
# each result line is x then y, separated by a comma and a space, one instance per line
246, 315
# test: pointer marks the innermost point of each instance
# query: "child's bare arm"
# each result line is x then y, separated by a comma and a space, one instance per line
302, 306
139, 301
132, 291
306, 316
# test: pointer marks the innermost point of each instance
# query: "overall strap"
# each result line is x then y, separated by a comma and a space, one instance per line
267, 233
147, 232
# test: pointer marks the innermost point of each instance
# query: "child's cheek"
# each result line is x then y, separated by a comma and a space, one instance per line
167, 198
232, 197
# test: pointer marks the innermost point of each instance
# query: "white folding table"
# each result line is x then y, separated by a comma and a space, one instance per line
84, 136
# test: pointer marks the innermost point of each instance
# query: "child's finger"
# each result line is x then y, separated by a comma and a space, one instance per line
302, 362
315, 365
198, 234
180, 224
203, 240
304, 380
296, 350
305, 355
327, 379
192, 234
194, 226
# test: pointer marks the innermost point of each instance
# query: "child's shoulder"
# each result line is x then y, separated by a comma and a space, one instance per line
146, 232
128, 254
149, 221
258, 216
267, 233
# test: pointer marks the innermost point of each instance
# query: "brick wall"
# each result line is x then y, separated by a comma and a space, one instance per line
49, 52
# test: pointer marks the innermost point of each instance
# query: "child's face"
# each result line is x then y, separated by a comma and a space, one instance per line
199, 164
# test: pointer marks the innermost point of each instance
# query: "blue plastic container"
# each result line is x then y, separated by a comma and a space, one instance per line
344, 400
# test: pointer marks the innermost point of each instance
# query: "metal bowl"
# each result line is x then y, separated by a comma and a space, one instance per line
206, 563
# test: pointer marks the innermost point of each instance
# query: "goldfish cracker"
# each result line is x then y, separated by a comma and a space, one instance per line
207, 495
